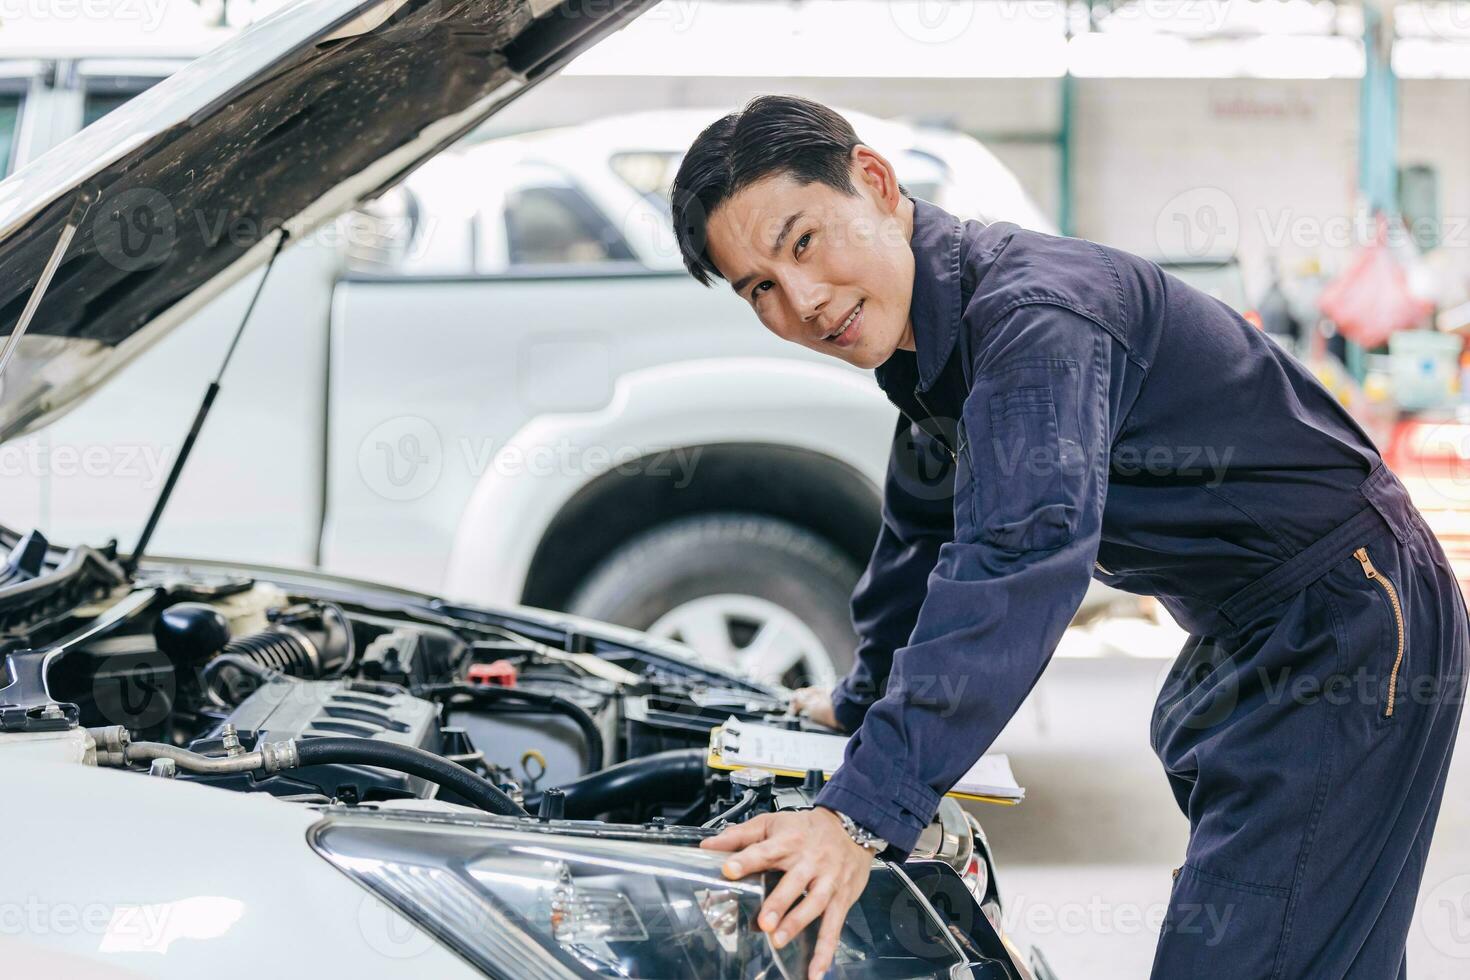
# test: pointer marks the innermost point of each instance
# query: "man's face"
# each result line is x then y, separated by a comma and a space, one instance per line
830, 271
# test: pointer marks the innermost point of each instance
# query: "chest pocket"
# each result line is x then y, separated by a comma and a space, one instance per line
1027, 464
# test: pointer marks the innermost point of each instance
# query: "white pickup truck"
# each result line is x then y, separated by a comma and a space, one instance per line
574, 423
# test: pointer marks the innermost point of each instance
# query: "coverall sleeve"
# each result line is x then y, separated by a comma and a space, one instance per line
1030, 483
918, 517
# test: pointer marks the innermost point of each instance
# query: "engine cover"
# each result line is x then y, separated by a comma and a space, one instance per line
329, 709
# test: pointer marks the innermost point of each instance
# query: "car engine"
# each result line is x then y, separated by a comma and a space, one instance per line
361, 701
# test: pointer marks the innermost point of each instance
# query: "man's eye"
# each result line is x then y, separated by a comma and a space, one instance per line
802, 242
760, 288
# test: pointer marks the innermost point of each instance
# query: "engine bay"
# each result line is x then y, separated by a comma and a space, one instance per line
360, 702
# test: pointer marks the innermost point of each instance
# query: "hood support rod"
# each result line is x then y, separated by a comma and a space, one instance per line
131, 564
79, 208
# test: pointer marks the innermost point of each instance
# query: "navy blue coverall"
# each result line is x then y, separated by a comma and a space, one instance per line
1071, 413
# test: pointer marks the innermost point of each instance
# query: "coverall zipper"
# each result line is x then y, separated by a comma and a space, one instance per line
938, 434
1398, 618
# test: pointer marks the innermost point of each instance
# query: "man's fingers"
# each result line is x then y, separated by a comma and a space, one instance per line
827, 937
769, 853
818, 897
781, 898
739, 835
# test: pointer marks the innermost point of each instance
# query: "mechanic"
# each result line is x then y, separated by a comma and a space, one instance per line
1070, 412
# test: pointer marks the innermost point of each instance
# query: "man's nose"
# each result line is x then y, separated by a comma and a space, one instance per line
810, 298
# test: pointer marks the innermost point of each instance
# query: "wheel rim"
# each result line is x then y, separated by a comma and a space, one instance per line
752, 636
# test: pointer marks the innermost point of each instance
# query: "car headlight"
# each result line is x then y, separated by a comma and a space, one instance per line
521, 904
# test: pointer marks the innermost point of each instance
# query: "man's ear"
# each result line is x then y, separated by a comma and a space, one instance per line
872, 172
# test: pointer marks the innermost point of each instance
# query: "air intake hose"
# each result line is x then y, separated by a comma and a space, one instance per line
664, 777
312, 639
416, 762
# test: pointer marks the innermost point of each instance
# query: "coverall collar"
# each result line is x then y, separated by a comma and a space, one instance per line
935, 306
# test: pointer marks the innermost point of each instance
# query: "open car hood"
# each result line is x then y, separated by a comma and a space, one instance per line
295, 121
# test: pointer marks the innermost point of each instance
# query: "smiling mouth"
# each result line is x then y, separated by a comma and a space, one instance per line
837, 335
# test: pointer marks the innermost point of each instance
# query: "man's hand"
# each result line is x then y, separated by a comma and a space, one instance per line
816, 704
818, 858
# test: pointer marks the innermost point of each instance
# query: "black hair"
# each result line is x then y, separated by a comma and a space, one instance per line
773, 134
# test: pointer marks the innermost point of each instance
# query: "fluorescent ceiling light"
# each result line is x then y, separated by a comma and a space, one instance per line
999, 39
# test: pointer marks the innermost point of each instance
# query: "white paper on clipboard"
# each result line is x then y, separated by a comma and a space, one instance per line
743, 743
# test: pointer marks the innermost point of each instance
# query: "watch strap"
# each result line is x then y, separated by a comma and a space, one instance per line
864, 838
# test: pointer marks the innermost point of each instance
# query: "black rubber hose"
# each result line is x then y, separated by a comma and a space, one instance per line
492, 697
658, 778
741, 807
416, 762
691, 815
209, 677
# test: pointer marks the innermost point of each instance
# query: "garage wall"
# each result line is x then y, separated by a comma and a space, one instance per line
1201, 167
1268, 167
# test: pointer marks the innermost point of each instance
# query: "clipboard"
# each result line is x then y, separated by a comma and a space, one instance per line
716, 760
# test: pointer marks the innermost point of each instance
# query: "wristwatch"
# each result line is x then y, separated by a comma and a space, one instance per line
863, 838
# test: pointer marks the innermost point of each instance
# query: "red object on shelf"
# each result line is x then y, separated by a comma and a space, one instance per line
1371, 300
499, 673
1433, 447
1432, 457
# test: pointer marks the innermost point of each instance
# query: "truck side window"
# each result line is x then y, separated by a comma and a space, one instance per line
649, 172
559, 225
106, 93
98, 104
9, 125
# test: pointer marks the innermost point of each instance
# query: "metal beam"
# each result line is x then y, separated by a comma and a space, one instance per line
1378, 114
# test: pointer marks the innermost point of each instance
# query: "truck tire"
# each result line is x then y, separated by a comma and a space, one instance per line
749, 592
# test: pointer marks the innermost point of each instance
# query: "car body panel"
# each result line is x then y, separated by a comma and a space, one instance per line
843, 418
250, 882
252, 488
419, 441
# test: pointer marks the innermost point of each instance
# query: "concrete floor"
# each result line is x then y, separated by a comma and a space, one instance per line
1084, 863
